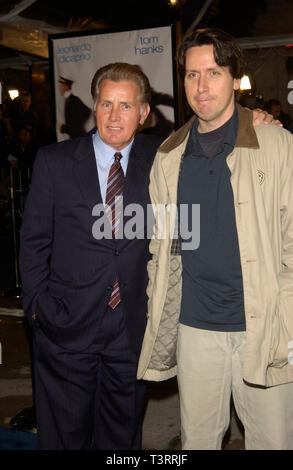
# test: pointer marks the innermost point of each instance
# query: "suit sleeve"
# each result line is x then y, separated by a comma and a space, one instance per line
36, 235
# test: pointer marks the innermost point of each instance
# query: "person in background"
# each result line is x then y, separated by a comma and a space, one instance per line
274, 108
21, 114
22, 150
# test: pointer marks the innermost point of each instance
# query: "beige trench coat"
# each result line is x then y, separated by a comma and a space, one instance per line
261, 166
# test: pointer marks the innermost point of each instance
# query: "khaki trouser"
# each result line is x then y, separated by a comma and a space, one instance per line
209, 370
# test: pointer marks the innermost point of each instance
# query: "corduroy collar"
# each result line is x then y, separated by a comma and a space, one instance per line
246, 136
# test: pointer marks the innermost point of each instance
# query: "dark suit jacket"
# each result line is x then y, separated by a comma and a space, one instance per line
67, 274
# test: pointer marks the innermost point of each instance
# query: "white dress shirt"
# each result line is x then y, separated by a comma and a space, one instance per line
105, 158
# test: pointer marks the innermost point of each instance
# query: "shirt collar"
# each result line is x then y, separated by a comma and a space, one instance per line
229, 139
105, 153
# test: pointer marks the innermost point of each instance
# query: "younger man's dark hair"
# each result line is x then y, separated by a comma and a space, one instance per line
226, 50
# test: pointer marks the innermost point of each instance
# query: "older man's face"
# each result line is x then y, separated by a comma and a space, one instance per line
118, 112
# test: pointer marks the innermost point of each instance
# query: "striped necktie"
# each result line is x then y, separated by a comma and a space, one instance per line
113, 210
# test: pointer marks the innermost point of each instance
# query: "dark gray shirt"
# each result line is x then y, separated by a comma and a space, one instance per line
212, 290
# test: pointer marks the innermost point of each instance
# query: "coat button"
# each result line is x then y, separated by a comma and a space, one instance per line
117, 252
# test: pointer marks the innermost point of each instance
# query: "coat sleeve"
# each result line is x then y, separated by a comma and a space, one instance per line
36, 235
155, 241
286, 273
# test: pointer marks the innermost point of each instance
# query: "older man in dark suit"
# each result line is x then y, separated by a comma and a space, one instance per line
85, 294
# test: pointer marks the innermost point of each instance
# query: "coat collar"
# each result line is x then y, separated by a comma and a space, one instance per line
246, 136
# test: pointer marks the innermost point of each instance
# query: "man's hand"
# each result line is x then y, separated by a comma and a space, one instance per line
260, 116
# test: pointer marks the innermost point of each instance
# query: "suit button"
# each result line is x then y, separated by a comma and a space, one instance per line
117, 252
109, 288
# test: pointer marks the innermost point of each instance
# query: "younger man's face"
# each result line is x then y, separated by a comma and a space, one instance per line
209, 88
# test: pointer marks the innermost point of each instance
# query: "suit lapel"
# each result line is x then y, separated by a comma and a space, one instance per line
136, 176
86, 172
